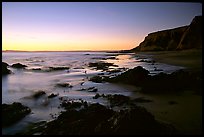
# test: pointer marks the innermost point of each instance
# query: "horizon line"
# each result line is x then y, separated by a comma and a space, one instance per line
60, 50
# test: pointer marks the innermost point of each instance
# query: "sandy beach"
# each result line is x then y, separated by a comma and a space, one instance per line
186, 111
191, 59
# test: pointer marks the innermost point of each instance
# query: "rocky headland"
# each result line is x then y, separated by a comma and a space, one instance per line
181, 38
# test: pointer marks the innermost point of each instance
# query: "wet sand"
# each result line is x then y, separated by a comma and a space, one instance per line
191, 59
186, 113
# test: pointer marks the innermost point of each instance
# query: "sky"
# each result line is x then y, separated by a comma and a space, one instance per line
73, 26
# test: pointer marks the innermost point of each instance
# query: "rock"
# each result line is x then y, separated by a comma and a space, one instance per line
90, 89
64, 85
38, 94
117, 99
52, 95
192, 37
93, 90
135, 121
71, 105
96, 119
97, 96
36, 69
186, 37
161, 83
58, 68
101, 65
18, 65
135, 76
97, 79
5, 64
12, 113
170, 83
114, 71
5, 70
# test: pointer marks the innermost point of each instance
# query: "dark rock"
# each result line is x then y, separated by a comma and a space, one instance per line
36, 69
97, 79
58, 68
117, 99
97, 96
64, 85
38, 94
12, 113
100, 58
135, 121
5, 70
114, 71
52, 95
18, 65
101, 65
112, 58
135, 76
96, 119
161, 83
90, 89
175, 82
93, 90
5, 64
71, 105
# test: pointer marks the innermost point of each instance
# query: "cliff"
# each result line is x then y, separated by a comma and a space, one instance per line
185, 37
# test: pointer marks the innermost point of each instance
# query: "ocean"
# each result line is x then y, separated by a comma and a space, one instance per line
23, 83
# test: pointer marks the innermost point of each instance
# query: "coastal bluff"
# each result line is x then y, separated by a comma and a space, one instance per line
181, 38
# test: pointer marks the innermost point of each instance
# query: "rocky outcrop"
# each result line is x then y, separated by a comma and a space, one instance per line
136, 76
18, 66
11, 113
96, 119
192, 37
5, 70
161, 83
186, 37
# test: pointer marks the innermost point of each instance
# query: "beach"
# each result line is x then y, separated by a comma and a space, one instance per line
191, 59
186, 113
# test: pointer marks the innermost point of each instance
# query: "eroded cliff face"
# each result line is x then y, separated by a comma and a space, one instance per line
192, 37
186, 37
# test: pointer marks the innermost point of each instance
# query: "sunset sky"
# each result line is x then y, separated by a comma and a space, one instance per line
65, 26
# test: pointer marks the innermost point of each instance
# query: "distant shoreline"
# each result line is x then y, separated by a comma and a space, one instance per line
64, 51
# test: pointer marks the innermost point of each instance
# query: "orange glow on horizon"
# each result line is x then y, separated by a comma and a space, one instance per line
42, 43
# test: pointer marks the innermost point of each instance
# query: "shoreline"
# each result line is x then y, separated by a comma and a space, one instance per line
186, 114
190, 59
162, 110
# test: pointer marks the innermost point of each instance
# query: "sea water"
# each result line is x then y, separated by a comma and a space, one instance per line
23, 83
